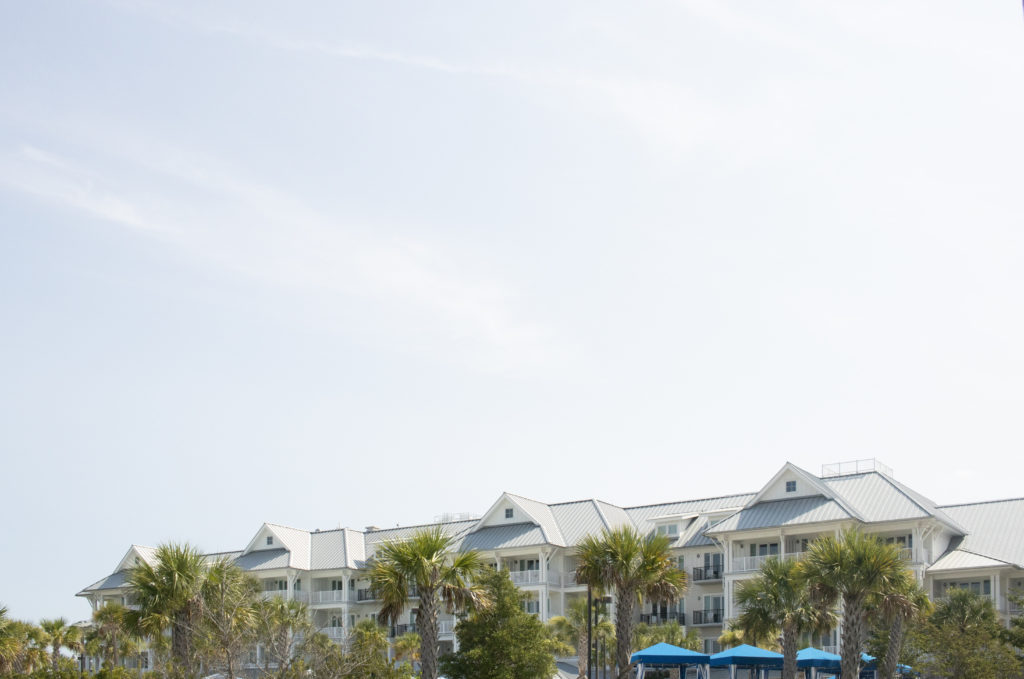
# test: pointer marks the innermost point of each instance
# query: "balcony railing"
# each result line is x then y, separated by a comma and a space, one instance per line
271, 593
334, 633
330, 596
399, 630
708, 616
525, 577
365, 595
446, 627
300, 595
713, 572
652, 619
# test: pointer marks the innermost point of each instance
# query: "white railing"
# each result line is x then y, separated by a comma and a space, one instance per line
271, 593
300, 595
525, 577
334, 633
446, 627
750, 563
907, 554
329, 596
831, 649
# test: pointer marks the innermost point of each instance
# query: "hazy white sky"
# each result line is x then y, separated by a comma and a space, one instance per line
330, 263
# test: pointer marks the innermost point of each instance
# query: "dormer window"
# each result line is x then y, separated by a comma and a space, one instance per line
790, 486
670, 529
270, 539
508, 513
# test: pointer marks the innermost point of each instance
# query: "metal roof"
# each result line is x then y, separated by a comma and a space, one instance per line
297, 542
994, 529
645, 513
400, 533
112, 581
328, 550
502, 537
263, 559
877, 497
799, 510
958, 559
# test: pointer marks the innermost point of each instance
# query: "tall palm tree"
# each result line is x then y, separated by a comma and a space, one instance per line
636, 568
425, 566
61, 635
572, 629
10, 644
778, 599
852, 568
906, 601
169, 595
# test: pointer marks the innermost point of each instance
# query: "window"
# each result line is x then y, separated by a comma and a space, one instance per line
681, 565
270, 539
298, 585
790, 486
508, 513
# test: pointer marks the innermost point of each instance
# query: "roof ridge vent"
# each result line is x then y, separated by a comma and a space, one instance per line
870, 464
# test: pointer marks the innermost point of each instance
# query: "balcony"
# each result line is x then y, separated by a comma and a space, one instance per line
446, 627
399, 630
274, 593
708, 616
705, 574
330, 596
520, 578
334, 633
299, 595
365, 595
652, 619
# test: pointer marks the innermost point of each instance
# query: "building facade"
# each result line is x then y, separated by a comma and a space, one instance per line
719, 542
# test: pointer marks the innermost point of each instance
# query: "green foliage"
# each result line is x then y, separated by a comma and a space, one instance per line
501, 641
637, 568
426, 564
963, 638
1014, 634
570, 631
645, 635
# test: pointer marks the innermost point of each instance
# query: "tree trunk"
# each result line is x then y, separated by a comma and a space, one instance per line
625, 602
426, 623
583, 654
853, 635
892, 653
56, 657
789, 641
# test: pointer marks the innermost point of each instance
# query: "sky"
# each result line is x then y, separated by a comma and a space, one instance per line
344, 264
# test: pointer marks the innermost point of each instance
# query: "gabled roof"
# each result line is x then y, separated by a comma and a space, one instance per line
537, 512
816, 484
263, 560
504, 537
878, 497
113, 581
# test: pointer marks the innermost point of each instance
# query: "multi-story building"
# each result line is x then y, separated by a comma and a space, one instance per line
718, 542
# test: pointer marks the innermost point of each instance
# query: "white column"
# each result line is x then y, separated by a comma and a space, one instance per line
543, 594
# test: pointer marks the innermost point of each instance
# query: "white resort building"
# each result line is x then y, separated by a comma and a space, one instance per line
718, 541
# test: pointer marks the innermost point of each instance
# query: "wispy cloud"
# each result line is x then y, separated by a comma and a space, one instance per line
209, 211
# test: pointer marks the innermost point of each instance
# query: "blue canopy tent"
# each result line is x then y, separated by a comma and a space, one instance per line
811, 659
667, 654
748, 656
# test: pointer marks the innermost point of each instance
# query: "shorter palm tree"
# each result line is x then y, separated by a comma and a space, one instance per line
571, 629
407, 647
903, 603
61, 635
108, 637
778, 601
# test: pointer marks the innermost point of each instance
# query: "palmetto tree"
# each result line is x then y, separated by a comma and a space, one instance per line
853, 568
636, 568
109, 637
169, 595
906, 601
424, 565
407, 647
61, 635
778, 600
230, 599
571, 629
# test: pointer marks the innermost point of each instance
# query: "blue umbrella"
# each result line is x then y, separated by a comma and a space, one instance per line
746, 655
813, 657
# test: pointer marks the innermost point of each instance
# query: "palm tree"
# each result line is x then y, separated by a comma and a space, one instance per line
108, 637
424, 566
407, 646
169, 595
61, 635
10, 644
281, 624
230, 597
852, 568
636, 568
571, 629
906, 601
778, 600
